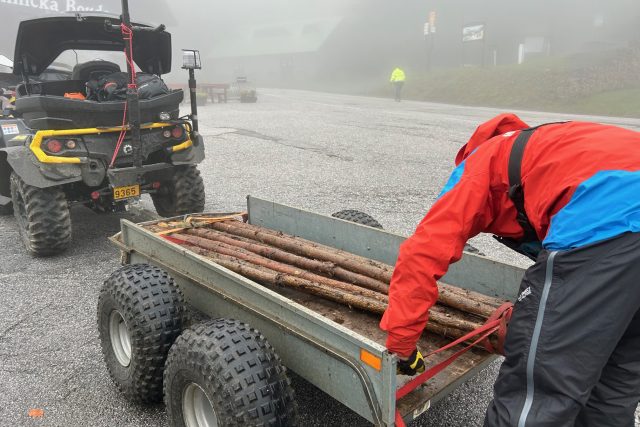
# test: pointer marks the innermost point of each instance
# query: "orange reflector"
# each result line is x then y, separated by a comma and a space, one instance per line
370, 359
36, 413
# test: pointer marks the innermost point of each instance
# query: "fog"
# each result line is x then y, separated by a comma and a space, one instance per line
352, 45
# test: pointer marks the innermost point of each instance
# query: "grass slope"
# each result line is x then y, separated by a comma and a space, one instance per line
549, 85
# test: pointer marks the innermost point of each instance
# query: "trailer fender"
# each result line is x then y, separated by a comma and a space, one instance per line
23, 163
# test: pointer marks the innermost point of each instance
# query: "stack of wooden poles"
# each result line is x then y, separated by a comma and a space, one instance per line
273, 258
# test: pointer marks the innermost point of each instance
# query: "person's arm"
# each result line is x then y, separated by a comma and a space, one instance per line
462, 211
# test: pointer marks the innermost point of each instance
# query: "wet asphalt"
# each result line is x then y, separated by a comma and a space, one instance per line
321, 152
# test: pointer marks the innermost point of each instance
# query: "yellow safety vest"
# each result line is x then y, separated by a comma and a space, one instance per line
397, 75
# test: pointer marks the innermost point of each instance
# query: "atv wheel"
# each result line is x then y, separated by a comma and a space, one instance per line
140, 314
183, 194
358, 217
224, 373
43, 217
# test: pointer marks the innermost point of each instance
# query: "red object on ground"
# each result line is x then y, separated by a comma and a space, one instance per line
36, 413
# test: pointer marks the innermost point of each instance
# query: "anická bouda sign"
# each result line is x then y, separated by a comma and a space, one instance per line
56, 5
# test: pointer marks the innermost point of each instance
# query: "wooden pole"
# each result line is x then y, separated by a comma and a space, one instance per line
326, 268
309, 249
245, 255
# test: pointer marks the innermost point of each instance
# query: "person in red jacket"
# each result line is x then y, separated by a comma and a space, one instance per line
572, 203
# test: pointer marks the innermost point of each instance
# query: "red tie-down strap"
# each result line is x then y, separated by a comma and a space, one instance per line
497, 322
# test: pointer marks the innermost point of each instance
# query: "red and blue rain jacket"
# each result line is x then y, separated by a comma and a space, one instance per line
581, 184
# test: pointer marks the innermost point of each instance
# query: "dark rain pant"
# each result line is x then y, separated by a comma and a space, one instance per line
573, 344
398, 90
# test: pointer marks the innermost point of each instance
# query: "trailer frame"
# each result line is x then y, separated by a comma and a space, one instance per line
325, 353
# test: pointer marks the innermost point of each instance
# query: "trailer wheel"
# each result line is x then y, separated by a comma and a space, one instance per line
358, 217
182, 194
43, 217
140, 314
224, 373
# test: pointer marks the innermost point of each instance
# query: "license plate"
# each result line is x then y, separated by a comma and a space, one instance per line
120, 193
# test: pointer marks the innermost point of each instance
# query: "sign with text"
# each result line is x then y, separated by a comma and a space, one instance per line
57, 5
473, 32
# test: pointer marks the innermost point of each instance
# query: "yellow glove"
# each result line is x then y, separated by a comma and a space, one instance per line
414, 365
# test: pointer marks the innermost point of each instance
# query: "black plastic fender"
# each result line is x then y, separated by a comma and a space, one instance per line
41, 175
193, 155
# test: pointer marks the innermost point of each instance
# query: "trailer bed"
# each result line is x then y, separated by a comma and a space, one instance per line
319, 339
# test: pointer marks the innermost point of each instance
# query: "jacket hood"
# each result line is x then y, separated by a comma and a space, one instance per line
497, 126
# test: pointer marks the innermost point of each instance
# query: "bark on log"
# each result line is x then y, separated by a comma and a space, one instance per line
462, 302
262, 255
267, 276
380, 265
475, 296
263, 274
245, 255
309, 249
453, 318
326, 268
445, 331
447, 295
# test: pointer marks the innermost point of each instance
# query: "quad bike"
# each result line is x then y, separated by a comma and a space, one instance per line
58, 149
244, 90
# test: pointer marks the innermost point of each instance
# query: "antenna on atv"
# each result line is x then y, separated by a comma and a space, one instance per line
133, 101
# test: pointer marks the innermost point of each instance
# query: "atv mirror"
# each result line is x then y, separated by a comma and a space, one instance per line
191, 59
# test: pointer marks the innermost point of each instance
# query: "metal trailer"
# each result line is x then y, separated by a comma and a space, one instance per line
340, 351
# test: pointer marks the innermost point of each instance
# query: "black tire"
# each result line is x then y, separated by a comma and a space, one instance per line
182, 194
358, 217
6, 210
238, 372
43, 217
152, 308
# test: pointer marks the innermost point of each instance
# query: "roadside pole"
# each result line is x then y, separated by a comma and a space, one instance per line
429, 35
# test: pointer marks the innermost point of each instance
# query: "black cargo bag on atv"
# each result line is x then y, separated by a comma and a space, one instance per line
113, 87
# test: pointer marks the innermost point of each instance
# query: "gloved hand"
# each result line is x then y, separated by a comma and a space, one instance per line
414, 365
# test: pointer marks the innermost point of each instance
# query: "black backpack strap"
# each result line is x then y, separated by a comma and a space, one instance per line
528, 244
516, 193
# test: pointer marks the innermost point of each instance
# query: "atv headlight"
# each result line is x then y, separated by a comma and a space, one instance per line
164, 116
191, 59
